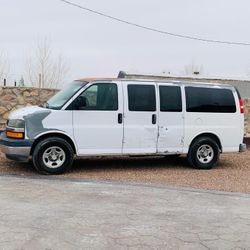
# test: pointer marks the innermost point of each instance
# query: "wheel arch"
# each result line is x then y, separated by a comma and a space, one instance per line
53, 134
210, 135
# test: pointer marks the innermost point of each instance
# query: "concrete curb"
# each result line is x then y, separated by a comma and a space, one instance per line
131, 184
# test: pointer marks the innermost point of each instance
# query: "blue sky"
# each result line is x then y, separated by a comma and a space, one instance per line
95, 46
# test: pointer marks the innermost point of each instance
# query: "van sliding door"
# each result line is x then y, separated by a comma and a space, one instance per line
171, 119
140, 118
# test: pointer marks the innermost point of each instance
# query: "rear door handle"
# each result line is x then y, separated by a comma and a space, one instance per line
120, 118
154, 119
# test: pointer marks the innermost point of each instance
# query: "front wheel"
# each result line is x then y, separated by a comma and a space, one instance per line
53, 156
203, 153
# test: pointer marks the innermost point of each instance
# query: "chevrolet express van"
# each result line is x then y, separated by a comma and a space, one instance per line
105, 117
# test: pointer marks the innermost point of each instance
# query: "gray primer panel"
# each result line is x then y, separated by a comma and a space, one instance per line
34, 125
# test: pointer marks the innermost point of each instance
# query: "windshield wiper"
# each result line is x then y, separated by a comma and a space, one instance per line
44, 105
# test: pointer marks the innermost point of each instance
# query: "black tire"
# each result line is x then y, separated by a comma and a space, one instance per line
202, 159
43, 156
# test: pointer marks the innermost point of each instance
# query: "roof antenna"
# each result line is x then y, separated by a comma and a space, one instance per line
122, 74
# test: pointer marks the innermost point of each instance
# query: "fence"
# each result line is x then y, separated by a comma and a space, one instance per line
5, 83
12, 98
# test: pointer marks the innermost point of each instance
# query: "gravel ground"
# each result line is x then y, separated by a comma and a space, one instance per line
231, 174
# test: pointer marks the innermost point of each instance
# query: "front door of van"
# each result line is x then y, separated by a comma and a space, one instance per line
170, 119
97, 119
140, 118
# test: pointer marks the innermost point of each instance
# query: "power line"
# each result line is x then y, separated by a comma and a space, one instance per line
153, 29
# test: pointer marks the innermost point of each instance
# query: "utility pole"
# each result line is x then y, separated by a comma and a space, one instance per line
40, 80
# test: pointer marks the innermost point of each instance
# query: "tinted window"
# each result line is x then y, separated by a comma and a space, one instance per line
210, 100
170, 98
101, 96
141, 97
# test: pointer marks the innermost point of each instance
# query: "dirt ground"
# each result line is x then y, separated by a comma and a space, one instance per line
231, 174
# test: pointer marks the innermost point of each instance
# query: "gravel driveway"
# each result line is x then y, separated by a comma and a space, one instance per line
231, 174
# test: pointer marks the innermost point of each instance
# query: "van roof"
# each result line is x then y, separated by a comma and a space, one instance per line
92, 79
184, 82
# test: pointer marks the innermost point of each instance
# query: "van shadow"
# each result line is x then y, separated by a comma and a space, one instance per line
16, 168
98, 164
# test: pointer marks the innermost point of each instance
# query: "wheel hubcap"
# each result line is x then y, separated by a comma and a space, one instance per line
54, 157
205, 153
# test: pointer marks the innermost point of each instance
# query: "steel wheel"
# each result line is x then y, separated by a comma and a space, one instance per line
54, 157
205, 153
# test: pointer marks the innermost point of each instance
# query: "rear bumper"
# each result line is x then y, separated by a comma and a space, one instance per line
18, 150
242, 147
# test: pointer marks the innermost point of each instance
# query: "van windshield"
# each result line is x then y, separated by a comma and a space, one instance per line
58, 100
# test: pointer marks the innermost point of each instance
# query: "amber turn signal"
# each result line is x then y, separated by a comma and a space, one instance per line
17, 135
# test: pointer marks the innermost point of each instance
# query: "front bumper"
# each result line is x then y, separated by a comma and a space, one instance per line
15, 149
242, 147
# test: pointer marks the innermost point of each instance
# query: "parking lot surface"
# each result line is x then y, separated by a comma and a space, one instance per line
231, 174
58, 214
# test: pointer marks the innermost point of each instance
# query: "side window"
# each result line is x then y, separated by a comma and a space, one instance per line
100, 96
141, 97
210, 100
170, 99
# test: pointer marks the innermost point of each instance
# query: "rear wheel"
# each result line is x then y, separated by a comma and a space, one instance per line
203, 153
53, 156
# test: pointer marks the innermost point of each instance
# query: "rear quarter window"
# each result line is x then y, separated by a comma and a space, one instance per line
209, 100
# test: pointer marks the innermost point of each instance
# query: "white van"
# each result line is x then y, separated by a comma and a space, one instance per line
93, 117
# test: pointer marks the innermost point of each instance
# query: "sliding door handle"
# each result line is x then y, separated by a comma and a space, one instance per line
154, 119
120, 118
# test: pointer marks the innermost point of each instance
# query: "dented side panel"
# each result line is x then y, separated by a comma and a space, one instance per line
140, 132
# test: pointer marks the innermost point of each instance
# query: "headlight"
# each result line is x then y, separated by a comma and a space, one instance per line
17, 123
15, 128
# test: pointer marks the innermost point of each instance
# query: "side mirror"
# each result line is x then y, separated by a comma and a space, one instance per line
81, 103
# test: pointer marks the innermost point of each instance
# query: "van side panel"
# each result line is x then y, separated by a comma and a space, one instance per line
47, 120
228, 127
58, 120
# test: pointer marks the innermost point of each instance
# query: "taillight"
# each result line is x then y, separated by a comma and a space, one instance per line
241, 106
